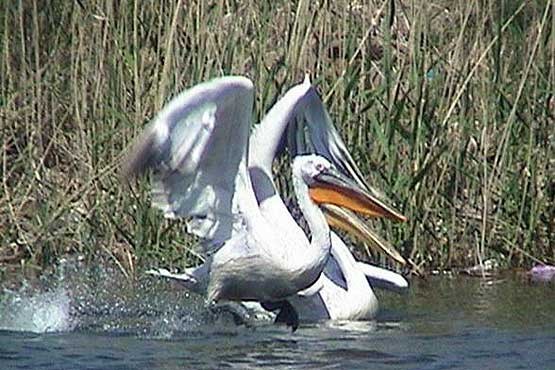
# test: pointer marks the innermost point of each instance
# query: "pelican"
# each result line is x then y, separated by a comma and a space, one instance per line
344, 290
346, 293
197, 149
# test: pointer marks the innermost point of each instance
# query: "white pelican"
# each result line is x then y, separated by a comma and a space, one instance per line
197, 149
344, 292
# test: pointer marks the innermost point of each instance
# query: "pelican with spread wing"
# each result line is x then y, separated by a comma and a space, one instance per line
344, 291
197, 149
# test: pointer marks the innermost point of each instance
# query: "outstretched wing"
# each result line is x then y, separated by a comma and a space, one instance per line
301, 116
194, 147
301, 113
269, 136
312, 131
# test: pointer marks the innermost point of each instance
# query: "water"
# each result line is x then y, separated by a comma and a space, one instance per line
94, 319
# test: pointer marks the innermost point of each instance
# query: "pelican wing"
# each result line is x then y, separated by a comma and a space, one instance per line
383, 279
194, 148
268, 136
302, 113
312, 131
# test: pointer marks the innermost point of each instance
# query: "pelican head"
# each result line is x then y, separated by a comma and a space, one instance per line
310, 167
326, 185
338, 194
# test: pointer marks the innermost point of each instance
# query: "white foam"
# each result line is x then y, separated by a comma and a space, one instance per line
43, 312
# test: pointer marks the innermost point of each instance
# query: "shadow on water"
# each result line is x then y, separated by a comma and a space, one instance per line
94, 318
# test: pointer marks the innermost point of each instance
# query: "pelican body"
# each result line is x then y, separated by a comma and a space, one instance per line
197, 150
344, 290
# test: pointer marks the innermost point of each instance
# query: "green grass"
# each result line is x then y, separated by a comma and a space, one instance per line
448, 107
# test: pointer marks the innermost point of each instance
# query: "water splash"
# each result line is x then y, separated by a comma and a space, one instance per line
99, 298
42, 312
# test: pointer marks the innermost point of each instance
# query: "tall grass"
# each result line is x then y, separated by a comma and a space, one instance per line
448, 106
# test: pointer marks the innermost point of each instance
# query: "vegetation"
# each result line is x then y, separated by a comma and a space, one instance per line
448, 106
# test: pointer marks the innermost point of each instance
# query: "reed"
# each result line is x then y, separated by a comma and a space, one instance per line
448, 106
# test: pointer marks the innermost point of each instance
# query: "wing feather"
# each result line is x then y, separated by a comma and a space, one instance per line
302, 113
312, 131
194, 147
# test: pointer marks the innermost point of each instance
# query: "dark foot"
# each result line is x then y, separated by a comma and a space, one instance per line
286, 315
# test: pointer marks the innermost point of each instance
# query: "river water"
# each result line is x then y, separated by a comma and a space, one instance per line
96, 319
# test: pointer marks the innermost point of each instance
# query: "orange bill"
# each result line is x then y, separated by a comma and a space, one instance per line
346, 220
354, 199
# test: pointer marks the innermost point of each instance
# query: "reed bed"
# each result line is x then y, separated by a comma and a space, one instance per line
447, 106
